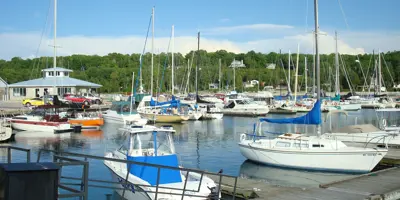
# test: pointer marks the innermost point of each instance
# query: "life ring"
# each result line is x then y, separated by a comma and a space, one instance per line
242, 137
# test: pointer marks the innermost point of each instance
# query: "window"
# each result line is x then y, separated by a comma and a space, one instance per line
317, 145
66, 73
57, 73
51, 73
303, 145
19, 92
282, 144
62, 91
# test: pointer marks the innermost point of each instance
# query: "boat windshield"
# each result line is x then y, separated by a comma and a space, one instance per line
121, 107
151, 144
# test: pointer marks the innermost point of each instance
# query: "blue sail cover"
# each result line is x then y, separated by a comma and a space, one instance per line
173, 102
312, 117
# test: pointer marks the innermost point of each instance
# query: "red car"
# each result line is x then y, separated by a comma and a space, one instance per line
76, 99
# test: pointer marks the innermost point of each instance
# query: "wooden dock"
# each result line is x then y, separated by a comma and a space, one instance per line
380, 185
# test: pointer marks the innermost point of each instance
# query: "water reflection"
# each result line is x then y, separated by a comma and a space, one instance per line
287, 177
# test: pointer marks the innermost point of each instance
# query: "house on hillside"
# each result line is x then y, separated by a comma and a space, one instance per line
237, 64
55, 81
213, 86
3, 90
251, 83
270, 65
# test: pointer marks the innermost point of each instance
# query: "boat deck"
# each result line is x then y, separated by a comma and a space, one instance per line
384, 184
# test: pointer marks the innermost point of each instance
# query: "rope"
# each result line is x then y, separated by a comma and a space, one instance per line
36, 64
387, 68
344, 15
165, 63
140, 59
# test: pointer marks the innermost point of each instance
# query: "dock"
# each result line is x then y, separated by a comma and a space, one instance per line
379, 185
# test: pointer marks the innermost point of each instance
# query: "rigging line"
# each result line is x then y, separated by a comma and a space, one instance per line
165, 63
41, 38
306, 16
344, 15
369, 66
387, 68
140, 59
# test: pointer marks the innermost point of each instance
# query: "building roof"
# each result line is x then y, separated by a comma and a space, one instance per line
3, 83
60, 69
64, 81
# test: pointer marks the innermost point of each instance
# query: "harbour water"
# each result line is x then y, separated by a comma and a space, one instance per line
208, 145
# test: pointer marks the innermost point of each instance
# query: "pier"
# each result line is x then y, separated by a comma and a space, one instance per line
379, 185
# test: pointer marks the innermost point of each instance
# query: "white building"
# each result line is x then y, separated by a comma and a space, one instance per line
236, 64
3, 90
251, 84
53, 78
213, 86
271, 66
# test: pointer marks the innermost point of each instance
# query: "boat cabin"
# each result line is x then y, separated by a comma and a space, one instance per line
152, 145
122, 107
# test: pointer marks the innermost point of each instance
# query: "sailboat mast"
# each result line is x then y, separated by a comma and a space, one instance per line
173, 64
219, 74
305, 73
198, 62
132, 96
152, 52
317, 64
337, 85
55, 47
379, 72
297, 72
289, 89
234, 77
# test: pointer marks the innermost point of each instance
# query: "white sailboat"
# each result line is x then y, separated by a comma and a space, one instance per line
294, 150
152, 145
121, 112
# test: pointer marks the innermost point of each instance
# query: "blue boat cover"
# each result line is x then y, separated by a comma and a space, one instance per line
149, 174
173, 102
312, 117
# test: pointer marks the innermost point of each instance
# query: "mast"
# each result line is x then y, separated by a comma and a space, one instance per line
337, 85
173, 64
152, 52
55, 47
198, 62
314, 78
297, 72
133, 81
219, 74
317, 64
379, 72
305, 72
289, 89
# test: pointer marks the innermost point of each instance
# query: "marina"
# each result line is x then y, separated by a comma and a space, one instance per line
145, 126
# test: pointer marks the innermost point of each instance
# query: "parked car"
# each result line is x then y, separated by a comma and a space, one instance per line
76, 99
93, 98
37, 101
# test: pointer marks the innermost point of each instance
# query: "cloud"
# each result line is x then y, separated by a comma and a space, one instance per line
223, 20
245, 28
26, 44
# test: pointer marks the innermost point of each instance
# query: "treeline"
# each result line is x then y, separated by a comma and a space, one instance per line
114, 71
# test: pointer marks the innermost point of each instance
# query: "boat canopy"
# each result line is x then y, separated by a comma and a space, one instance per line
312, 117
173, 103
152, 146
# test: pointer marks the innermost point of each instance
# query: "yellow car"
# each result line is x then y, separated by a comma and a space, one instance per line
35, 102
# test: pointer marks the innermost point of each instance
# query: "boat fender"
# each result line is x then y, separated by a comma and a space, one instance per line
242, 137
384, 123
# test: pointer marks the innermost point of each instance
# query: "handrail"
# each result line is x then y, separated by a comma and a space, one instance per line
157, 187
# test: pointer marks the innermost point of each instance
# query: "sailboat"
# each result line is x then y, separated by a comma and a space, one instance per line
295, 150
335, 103
121, 112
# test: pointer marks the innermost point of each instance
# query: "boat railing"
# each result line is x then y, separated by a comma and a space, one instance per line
80, 187
69, 156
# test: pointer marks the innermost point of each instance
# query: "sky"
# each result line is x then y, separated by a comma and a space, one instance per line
104, 26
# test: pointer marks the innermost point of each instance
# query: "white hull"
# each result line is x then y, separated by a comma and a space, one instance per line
392, 139
344, 160
212, 115
5, 131
113, 117
118, 171
40, 127
195, 115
